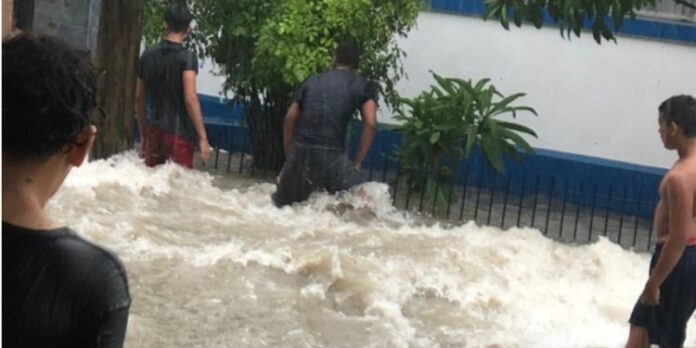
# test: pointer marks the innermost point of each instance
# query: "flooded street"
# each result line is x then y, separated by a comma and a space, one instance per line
212, 263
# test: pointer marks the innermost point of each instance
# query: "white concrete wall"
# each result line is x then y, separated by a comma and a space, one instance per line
208, 81
596, 100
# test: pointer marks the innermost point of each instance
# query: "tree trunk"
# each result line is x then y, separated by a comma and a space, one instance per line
118, 48
265, 127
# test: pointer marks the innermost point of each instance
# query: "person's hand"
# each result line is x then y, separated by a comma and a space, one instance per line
205, 149
651, 294
143, 148
357, 165
280, 175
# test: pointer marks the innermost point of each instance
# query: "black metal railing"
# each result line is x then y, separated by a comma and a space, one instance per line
565, 212
544, 201
569, 209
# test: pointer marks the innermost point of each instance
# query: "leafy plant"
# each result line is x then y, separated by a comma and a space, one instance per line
605, 16
446, 123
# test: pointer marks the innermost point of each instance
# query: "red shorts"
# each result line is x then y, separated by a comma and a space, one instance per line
162, 146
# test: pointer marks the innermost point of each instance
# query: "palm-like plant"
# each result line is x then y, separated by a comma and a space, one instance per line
444, 124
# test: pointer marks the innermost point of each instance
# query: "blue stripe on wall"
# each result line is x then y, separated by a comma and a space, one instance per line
625, 188
654, 29
584, 180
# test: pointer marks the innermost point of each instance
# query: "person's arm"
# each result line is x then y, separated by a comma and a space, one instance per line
289, 126
112, 330
140, 111
194, 110
369, 117
680, 205
110, 300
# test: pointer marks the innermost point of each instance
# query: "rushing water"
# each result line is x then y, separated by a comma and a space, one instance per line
212, 263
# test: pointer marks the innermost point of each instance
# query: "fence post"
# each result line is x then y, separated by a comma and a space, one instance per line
577, 213
548, 206
606, 216
594, 205
563, 209
519, 208
386, 164
466, 185
536, 198
422, 197
478, 194
635, 226
490, 205
623, 210
505, 201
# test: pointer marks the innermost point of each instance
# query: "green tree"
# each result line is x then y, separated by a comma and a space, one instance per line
604, 16
267, 48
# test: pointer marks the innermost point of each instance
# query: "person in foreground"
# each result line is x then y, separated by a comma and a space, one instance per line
58, 290
669, 298
169, 113
315, 131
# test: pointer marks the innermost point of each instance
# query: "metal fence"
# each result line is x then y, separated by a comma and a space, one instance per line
672, 10
566, 209
544, 201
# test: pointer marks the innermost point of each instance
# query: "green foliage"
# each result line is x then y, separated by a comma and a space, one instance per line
571, 15
444, 124
264, 46
153, 21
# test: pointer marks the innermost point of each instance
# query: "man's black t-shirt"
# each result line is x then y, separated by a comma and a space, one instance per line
59, 290
161, 67
328, 101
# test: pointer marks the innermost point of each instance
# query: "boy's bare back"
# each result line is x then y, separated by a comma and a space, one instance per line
677, 192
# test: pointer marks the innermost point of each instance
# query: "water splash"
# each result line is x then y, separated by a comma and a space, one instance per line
215, 267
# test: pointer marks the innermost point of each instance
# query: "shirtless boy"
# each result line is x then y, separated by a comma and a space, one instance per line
669, 297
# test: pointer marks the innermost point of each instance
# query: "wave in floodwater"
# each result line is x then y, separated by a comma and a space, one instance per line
212, 263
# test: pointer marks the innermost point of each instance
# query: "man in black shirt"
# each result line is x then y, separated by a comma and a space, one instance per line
169, 113
58, 290
315, 131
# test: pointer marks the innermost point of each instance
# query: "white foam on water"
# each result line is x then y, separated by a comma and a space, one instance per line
225, 268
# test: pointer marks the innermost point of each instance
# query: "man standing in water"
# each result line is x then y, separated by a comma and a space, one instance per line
167, 90
669, 297
58, 290
315, 131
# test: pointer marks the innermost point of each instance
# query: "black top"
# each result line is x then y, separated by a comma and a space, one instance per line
59, 290
328, 101
161, 67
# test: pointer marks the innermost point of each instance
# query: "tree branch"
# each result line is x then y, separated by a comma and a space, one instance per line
685, 4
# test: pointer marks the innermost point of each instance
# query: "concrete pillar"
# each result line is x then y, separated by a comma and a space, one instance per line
76, 21
110, 31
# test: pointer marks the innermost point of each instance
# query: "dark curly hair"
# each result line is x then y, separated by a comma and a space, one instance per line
681, 109
348, 53
49, 92
178, 18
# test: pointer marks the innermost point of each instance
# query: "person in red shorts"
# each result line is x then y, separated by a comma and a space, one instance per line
169, 114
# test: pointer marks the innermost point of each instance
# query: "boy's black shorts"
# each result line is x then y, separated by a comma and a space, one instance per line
666, 322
